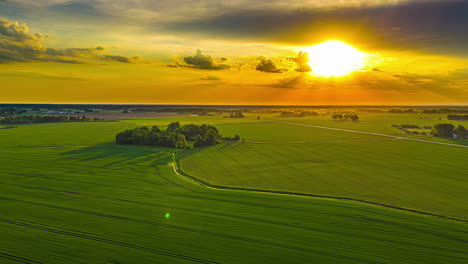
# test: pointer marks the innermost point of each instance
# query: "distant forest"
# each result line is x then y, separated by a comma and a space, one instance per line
298, 114
458, 117
45, 119
175, 136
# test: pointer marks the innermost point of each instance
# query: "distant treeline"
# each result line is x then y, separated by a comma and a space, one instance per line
175, 136
45, 119
400, 111
10, 111
445, 111
346, 117
298, 114
458, 117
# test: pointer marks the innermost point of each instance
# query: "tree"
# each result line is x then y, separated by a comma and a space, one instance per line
443, 130
139, 135
181, 142
211, 137
155, 129
337, 117
460, 131
173, 126
199, 141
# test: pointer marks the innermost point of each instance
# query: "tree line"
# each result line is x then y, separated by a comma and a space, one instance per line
44, 119
458, 117
346, 117
298, 114
175, 136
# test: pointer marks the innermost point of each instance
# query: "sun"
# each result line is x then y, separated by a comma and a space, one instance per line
334, 58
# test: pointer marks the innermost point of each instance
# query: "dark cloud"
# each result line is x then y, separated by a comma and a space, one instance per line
454, 84
302, 60
18, 44
267, 66
211, 78
201, 61
118, 58
434, 26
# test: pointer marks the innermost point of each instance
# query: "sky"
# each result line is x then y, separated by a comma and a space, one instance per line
232, 52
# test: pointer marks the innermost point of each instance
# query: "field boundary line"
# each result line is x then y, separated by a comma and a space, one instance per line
371, 133
176, 165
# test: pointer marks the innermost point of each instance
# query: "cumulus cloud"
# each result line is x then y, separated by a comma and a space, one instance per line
18, 44
267, 66
302, 60
202, 61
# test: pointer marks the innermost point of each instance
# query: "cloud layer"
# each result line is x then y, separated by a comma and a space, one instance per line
18, 44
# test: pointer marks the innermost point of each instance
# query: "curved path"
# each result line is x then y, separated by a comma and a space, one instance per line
373, 134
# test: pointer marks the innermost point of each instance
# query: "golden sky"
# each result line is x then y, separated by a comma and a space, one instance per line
232, 52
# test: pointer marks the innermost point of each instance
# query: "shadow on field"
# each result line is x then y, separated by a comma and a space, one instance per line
112, 154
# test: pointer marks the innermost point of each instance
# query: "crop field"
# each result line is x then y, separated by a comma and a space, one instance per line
382, 123
415, 175
69, 194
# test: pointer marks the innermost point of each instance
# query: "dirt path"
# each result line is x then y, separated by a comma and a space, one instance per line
373, 134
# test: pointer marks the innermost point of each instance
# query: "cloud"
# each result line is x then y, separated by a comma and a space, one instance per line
119, 58
267, 66
201, 61
453, 84
426, 25
302, 60
40, 76
211, 78
18, 44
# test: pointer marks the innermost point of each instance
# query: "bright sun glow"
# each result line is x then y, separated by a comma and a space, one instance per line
334, 58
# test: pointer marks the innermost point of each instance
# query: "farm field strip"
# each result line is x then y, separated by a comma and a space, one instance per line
375, 134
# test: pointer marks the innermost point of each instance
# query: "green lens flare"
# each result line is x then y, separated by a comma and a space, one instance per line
167, 215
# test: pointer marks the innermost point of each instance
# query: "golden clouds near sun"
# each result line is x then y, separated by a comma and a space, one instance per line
334, 58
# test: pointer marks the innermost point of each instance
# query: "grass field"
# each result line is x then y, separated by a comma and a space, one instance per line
70, 195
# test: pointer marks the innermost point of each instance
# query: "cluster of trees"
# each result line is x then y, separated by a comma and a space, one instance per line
458, 117
44, 119
298, 114
175, 136
346, 117
449, 130
235, 115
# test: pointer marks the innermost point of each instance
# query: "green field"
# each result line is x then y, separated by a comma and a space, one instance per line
414, 175
70, 195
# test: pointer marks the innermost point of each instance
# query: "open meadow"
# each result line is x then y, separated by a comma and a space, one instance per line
69, 194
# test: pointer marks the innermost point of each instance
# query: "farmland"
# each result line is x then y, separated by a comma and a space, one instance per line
69, 194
